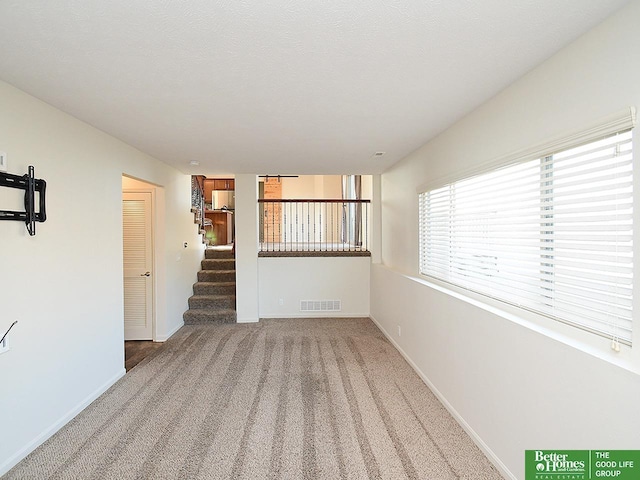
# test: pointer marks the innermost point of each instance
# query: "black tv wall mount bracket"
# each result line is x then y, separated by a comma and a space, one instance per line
30, 185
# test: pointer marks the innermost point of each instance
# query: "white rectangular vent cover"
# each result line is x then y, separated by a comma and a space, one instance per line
320, 305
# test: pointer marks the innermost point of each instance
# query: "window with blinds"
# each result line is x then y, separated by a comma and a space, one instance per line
552, 235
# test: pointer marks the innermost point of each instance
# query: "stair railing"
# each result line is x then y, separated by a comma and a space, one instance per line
314, 225
197, 200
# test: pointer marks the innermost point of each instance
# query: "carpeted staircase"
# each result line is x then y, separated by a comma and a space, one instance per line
214, 295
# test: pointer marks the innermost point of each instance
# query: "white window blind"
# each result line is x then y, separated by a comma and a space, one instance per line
552, 235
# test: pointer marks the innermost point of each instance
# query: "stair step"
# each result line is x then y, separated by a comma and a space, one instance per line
217, 276
214, 288
212, 302
218, 264
195, 317
211, 253
214, 294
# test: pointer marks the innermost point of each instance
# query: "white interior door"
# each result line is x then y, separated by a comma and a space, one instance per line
138, 265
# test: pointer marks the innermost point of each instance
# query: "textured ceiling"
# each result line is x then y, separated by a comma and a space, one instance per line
279, 86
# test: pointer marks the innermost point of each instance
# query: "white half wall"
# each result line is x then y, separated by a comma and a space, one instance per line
288, 280
64, 285
516, 383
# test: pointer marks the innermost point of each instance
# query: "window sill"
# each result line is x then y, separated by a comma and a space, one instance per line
627, 358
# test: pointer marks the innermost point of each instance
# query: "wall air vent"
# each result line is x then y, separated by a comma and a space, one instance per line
320, 305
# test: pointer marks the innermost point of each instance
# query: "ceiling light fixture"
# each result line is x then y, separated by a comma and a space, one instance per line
379, 154
194, 163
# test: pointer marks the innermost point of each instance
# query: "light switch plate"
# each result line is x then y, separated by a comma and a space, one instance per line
3, 162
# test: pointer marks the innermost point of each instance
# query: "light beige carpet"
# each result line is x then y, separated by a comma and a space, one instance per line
289, 399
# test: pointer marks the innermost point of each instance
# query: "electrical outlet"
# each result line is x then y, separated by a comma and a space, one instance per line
281, 302
3, 162
399, 331
4, 343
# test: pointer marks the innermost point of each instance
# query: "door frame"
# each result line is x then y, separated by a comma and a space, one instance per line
148, 188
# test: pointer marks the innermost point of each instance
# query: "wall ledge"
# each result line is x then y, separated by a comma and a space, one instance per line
581, 340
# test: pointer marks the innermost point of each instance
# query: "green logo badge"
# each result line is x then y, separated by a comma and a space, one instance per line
582, 464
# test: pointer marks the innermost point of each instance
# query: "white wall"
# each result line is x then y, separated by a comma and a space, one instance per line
320, 186
292, 279
64, 285
246, 218
312, 186
515, 381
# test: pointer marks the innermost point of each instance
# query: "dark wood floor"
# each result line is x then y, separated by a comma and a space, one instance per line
137, 350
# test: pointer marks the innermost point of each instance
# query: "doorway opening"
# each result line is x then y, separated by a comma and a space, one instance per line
139, 268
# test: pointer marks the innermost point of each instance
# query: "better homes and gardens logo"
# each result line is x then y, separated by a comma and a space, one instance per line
582, 464
558, 465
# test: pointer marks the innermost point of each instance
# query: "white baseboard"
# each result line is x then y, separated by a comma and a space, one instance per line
168, 335
248, 320
493, 458
45, 435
